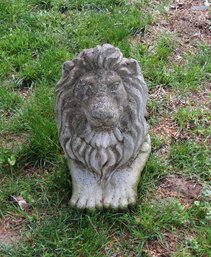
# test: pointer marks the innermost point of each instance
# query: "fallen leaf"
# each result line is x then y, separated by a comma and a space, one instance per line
20, 201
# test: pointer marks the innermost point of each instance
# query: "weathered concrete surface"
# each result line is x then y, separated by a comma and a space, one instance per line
100, 105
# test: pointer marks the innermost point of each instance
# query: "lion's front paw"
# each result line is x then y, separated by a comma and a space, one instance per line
119, 196
89, 198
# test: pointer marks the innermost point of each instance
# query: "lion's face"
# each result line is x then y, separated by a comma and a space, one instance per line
100, 103
103, 96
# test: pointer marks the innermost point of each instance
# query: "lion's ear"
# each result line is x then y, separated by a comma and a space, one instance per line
129, 67
134, 66
66, 68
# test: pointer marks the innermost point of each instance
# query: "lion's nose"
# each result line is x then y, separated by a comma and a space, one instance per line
103, 111
103, 115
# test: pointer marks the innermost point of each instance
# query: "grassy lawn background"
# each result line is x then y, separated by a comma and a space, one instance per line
173, 212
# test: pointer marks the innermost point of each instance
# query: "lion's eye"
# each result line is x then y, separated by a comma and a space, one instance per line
88, 90
115, 86
84, 91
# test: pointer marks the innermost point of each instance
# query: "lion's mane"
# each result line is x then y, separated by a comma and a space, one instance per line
101, 152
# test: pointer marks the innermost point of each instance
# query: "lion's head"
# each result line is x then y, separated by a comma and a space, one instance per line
100, 105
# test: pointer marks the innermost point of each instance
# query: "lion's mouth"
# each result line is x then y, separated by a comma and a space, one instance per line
102, 122
104, 138
99, 126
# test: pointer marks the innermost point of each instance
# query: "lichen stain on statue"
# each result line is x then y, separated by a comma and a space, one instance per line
100, 104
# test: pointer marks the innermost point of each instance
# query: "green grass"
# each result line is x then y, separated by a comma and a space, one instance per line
9, 102
196, 119
158, 68
36, 38
191, 157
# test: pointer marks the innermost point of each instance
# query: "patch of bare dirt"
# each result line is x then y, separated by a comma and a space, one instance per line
169, 103
187, 28
114, 248
8, 237
10, 230
153, 248
200, 99
196, 101
166, 127
30, 171
10, 140
190, 24
185, 190
168, 243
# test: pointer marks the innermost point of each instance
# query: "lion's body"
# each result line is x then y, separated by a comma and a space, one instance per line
100, 106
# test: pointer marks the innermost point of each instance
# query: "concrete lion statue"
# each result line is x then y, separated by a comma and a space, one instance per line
100, 103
